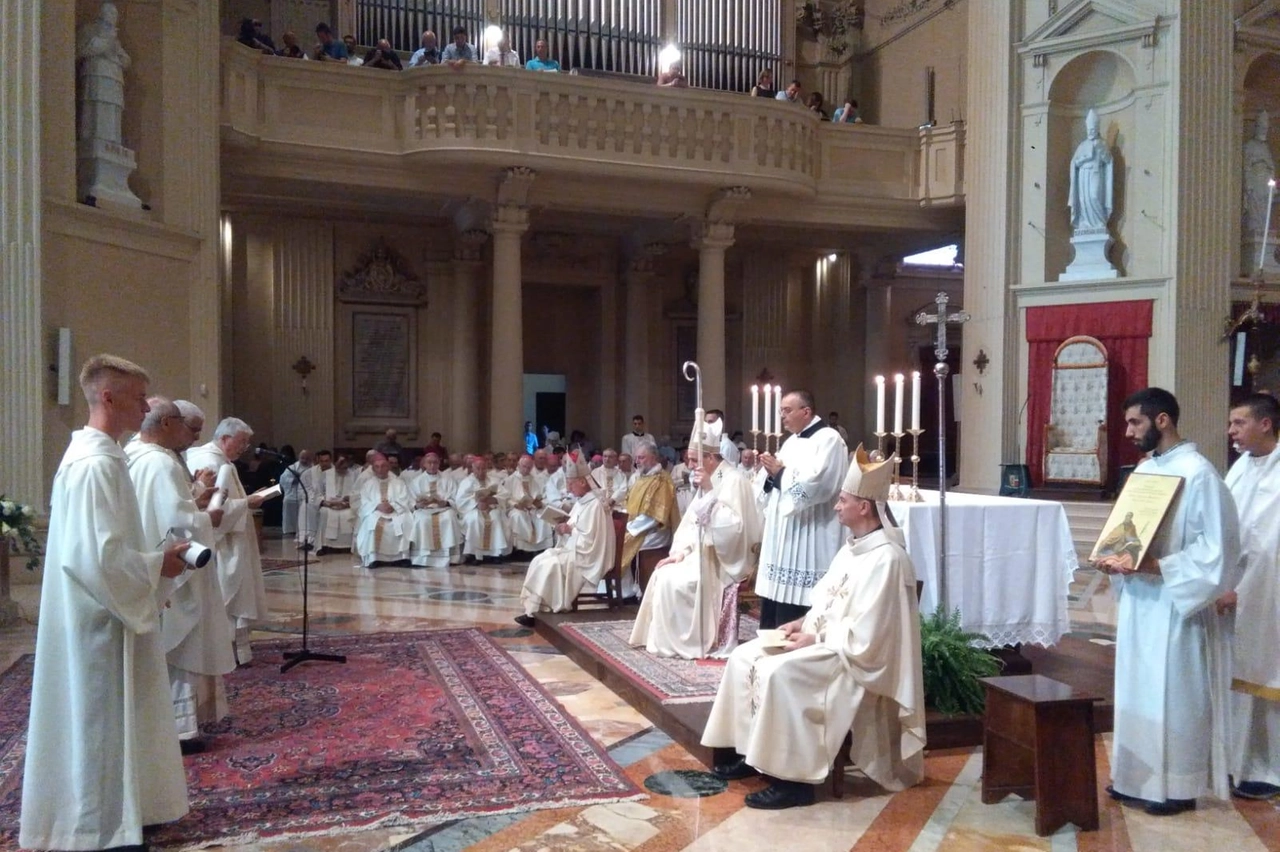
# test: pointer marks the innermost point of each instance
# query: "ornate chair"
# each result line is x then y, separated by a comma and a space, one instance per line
1075, 438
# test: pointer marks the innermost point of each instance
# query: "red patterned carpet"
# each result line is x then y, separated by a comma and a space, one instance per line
416, 729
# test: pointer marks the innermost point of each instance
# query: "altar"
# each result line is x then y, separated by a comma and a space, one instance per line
1010, 563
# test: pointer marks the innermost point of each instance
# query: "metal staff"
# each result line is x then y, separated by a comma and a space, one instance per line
692, 372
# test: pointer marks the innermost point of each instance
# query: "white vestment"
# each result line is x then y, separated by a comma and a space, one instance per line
437, 538
484, 531
613, 485
523, 498
684, 488
1255, 699
557, 576
690, 608
291, 521
384, 536
102, 756
801, 533
309, 511
729, 450
631, 442
788, 712
337, 525
194, 630
236, 549
1172, 648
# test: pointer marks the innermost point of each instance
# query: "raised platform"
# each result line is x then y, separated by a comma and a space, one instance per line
1075, 661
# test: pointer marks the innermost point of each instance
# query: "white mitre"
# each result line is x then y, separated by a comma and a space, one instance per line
708, 435
867, 479
574, 466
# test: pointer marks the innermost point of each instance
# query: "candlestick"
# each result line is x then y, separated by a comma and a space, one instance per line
755, 408
914, 496
768, 412
915, 399
895, 490
898, 381
777, 412
1266, 228
880, 405
878, 454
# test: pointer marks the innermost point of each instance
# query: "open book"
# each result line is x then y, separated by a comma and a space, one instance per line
270, 492
553, 516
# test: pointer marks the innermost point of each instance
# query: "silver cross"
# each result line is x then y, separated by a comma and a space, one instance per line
941, 318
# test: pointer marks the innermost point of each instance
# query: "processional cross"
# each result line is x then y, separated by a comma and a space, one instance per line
941, 370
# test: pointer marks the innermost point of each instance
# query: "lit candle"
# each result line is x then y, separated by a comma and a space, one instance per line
915, 400
898, 381
777, 410
879, 405
768, 408
1266, 229
755, 408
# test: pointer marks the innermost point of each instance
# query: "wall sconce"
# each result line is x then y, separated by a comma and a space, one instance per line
981, 361
303, 367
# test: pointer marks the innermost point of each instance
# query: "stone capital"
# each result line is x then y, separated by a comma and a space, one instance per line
712, 235
468, 245
640, 263
514, 185
509, 219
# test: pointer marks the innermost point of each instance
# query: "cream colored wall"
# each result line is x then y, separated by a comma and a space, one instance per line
889, 77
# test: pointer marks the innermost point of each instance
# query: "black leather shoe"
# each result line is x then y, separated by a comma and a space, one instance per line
1256, 790
1170, 807
525, 620
1121, 797
781, 795
735, 771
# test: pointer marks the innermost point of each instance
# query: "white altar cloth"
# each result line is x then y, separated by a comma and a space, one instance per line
1010, 563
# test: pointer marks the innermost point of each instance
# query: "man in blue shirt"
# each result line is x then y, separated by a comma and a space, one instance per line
540, 62
329, 47
459, 53
428, 54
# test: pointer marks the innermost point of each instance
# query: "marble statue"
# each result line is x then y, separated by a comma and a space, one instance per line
104, 163
1091, 200
1259, 168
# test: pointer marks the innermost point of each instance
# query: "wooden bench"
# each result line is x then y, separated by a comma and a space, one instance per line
1038, 744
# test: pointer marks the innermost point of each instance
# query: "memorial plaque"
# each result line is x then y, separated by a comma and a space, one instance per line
381, 365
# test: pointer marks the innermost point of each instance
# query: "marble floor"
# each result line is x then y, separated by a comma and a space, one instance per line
943, 813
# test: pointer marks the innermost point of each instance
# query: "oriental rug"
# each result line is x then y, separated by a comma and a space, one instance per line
670, 680
416, 729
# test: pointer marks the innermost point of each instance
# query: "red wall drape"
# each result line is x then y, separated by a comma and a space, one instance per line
1125, 329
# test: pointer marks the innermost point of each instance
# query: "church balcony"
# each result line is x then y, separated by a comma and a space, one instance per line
435, 129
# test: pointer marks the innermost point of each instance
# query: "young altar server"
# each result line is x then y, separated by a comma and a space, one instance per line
852, 664
102, 756
1172, 646
1254, 481
690, 608
386, 518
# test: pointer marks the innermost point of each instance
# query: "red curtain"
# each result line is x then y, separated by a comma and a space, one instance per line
1125, 329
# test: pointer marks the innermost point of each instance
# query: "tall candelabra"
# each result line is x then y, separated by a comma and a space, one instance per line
895, 490
914, 495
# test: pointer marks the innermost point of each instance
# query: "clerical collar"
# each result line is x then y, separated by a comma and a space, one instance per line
812, 427
1158, 453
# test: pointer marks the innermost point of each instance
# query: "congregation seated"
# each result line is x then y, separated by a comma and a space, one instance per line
850, 666
611, 481
557, 576
690, 608
522, 492
335, 496
386, 519
437, 538
483, 516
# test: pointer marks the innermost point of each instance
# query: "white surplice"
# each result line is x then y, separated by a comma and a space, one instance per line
291, 520
613, 485
239, 565
484, 531
1172, 648
1255, 732
384, 536
801, 533
194, 629
309, 511
685, 611
437, 537
523, 498
631, 442
684, 489
102, 757
556, 576
788, 712
336, 524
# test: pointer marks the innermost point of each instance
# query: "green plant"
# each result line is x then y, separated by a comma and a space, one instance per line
953, 664
17, 526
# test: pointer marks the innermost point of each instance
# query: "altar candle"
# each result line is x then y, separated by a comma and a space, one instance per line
879, 405
777, 410
898, 381
755, 408
768, 407
915, 400
1266, 228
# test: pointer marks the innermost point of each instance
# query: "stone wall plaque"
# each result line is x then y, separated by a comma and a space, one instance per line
382, 358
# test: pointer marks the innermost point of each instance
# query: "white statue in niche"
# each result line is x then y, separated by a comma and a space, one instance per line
1091, 199
104, 163
1259, 168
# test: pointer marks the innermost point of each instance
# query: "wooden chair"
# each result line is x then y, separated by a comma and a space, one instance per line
612, 596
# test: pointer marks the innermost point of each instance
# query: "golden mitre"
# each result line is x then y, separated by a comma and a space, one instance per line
867, 479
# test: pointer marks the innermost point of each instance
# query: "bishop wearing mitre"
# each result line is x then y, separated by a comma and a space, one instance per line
437, 538
386, 520
851, 665
690, 608
522, 492
557, 576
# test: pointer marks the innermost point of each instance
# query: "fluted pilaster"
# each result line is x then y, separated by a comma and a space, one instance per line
468, 279
506, 337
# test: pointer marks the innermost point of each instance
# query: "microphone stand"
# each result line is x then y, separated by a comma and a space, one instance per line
292, 658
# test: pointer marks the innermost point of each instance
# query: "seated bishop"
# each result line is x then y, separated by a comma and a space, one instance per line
523, 494
557, 576
611, 482
335, 496
386, 517
437, 538
690, 607
850, 666
483, 515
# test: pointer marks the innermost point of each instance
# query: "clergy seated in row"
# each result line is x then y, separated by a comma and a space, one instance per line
335, 496
555, 492
238, 563
652, 516
365, 473
681, 475
483, 515
556, 576
309, 510
611, 481
850, 666
437, 538
193, 622
690, 607
386, 520
523, 494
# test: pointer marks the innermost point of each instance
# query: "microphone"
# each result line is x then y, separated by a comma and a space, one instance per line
261, 452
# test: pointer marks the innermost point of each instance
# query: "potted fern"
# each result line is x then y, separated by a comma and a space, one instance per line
953, 665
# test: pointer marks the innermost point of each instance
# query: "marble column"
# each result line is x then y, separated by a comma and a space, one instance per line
641, 293
22, 351
506, 331
712, 240
607, 415
468, 278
